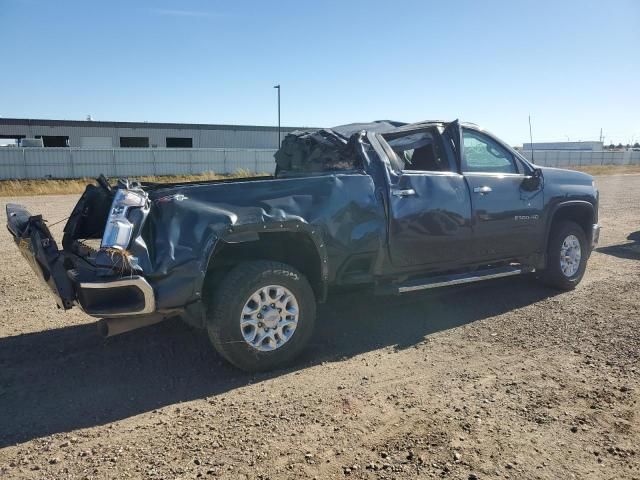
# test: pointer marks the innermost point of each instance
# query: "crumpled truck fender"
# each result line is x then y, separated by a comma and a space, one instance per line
187, 224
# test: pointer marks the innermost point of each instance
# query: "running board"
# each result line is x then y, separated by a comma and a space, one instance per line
458, 279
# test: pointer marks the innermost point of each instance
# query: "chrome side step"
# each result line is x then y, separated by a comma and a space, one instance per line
457, 279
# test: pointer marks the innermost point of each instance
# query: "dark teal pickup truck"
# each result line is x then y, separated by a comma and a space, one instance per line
394, 207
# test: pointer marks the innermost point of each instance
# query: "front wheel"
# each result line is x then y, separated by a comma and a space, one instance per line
567, 255
261, 315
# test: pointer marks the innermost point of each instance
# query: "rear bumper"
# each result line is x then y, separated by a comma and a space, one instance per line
595, 235
114, 297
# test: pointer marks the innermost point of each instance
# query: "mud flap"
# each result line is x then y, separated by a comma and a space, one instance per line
39, 248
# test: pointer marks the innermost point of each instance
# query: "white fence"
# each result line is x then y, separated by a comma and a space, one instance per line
31, 163
573, 158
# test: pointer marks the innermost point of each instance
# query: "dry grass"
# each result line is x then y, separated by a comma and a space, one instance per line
16, 188
607, 169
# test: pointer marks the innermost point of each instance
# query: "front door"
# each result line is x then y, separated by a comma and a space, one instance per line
506, 217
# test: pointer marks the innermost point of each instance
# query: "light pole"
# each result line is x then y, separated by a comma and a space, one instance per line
279, 140
531, 140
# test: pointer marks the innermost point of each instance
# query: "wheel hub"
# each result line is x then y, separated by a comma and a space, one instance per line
271, 318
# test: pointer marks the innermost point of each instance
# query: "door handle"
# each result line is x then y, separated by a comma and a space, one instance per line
403, 193
482, 190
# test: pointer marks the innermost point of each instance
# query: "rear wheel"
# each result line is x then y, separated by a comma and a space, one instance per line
261, 315
567, 255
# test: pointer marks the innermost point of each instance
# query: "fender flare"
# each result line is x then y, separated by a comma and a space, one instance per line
559, 206
251, 232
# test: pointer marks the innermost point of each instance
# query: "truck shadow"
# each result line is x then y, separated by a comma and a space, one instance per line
630, 251
69, 378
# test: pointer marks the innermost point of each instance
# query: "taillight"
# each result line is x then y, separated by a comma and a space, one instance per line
118, 231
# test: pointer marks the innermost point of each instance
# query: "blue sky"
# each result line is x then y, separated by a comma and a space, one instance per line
573, 65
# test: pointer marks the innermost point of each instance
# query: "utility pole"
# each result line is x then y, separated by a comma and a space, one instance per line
279, 139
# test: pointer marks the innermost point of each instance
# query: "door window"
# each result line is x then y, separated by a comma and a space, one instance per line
483, 154
419, 151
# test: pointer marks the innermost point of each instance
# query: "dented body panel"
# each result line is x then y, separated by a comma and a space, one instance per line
339, 213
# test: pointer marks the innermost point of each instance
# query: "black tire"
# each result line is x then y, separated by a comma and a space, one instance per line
553, 274
227, 302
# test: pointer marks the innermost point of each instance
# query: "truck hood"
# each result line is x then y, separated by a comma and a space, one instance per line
565, 177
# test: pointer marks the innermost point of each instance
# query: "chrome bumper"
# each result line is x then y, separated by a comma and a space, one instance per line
595, 235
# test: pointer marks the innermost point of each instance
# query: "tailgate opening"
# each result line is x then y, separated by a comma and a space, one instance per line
38, 247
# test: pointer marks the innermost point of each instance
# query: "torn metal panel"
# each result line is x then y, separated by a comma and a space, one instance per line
38, 247
315, 151
327, 149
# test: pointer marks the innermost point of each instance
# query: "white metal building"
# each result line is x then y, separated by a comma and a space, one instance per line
98, 134
581, 146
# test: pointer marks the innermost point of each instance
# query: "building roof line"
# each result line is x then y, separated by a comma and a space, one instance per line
153, 125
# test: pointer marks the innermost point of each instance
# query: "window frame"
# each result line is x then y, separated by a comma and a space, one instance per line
168, 140
517, 168
438, 137
49, 140
127, 138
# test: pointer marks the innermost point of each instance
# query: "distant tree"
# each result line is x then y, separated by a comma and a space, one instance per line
611, 146
619, 146
636, 145
627, 146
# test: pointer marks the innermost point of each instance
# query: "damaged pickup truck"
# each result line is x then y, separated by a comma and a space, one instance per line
394, 207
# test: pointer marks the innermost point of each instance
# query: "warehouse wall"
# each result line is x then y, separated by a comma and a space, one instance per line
202, 138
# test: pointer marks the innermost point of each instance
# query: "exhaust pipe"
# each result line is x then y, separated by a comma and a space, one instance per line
108, 327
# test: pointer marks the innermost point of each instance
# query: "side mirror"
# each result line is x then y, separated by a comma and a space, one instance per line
533, 181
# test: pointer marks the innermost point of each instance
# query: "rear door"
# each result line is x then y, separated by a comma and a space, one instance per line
430, 208
506, 217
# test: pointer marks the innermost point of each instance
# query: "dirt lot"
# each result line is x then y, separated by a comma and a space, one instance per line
496, 380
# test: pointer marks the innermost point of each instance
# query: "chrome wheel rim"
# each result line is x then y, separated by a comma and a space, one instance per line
570, 255
269, 318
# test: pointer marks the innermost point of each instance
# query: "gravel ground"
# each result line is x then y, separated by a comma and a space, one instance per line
505, 379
